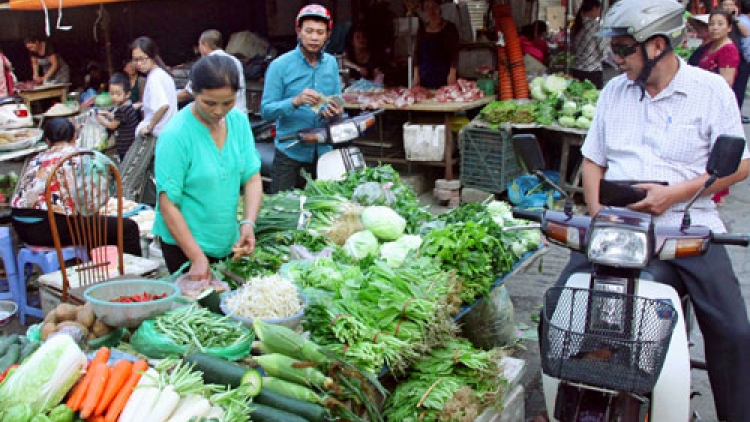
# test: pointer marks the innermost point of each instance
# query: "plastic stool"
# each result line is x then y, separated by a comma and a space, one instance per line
11, 271
46, 259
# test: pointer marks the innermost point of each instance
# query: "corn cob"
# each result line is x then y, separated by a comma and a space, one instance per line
280, 339
290, 369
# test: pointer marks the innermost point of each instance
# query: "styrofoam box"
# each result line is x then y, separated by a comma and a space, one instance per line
513, 409
424, 142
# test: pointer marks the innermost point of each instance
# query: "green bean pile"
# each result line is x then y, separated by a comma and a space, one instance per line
199, 327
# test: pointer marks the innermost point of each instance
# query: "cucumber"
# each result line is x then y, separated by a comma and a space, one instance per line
27, 350
263, 413
10, 357
252, 382
6, 341
310, 411
217, 370
111, 339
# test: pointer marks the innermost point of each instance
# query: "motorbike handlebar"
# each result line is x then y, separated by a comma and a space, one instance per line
731, 239
527, 214
288, 137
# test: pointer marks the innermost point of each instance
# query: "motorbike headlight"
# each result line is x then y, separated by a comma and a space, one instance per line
344, 132
618, 247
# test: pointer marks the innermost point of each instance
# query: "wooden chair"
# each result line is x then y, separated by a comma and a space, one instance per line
79, 187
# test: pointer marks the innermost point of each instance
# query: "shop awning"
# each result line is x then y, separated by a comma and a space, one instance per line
54, 4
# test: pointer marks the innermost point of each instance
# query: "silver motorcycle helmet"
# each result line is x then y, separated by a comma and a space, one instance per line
643, 20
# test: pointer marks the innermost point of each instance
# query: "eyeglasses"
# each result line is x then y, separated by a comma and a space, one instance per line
624, 50
140, 59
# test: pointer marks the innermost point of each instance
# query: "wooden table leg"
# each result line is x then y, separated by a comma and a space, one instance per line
448, 155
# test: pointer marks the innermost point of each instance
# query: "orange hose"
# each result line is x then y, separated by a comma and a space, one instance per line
515, 57
504, 80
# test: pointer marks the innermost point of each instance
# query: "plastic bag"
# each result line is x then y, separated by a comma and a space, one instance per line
93, 136
528, 191
152, 343
301, 253
373, 193
490, 323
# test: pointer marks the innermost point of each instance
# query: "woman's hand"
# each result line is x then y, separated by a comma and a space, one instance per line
199, 269
246, 243
415, 79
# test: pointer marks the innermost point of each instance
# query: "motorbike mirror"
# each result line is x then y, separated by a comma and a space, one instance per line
528, 152
726, 155
723, 161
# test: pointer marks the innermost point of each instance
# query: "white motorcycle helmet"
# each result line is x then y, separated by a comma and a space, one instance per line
643, 20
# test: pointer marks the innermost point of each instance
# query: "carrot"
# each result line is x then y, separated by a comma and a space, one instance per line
117, 377
100, 373
115, 408
75, 399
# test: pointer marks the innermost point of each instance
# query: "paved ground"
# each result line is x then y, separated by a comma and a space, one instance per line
527, 287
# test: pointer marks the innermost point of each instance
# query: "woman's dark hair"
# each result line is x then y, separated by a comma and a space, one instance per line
33, 38
534, 29
349, 43
149, 48
586, 6
120, 78
214, 71
727, 15
58, 129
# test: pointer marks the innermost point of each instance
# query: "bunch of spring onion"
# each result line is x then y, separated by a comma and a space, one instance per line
455, 382
293, 210
298, 366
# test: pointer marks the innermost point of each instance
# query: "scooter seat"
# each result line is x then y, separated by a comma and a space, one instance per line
11, 100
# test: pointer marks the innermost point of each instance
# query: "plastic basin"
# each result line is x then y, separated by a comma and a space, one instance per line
292, 322
117, 314
8, 308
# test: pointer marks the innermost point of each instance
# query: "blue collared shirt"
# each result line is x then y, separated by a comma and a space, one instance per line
287, 76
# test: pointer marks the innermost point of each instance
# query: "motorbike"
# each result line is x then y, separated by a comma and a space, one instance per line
14, 114
613, 343
335, 164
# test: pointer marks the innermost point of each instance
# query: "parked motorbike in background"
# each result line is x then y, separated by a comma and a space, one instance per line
613, 342
14, 114
335, 164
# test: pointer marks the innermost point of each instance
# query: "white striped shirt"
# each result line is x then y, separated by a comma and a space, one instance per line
665, 138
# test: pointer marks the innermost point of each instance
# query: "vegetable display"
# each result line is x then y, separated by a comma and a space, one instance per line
557, 99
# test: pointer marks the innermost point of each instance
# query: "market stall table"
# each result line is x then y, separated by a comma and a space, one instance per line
45, 91
570, 137
446, 109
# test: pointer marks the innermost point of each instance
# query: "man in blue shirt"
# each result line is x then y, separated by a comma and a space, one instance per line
294, 82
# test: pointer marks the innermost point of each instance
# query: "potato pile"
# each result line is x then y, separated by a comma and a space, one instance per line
80, 317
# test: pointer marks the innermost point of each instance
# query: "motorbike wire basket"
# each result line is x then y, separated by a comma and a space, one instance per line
605, 339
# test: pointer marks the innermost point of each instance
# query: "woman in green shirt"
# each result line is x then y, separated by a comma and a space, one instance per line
204, 156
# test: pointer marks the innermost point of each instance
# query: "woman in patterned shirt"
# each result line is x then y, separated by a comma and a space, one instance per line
29, 207
588, 49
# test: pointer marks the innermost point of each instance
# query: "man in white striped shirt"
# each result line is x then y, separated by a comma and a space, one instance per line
658, 121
